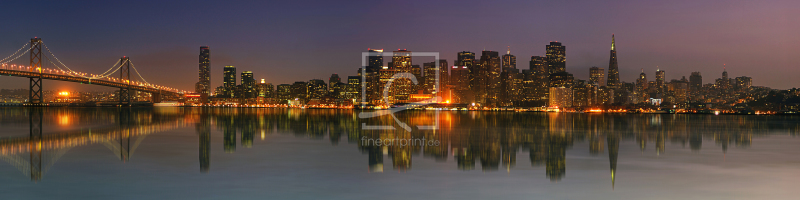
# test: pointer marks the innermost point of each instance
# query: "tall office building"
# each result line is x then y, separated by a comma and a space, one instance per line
509, 61
467, 67
332, 81
459, 79
265, 90
556, 57
375, 60
724, 83
401, 88
613, 70
283, 93
491, 68
353, 88
539, 77
466, 60
560, 97
561, 79
678, 91
248, 88
695, 81
605, 95
444, 74
229, 81
299, 92
597, 76
459, 76
583, 93
695, 85
660, 82
373, 89
641, 88
204, 84
427, 79
316, 89
401, 60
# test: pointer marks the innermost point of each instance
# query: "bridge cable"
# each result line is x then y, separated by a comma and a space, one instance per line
20, 55
15, 53
65, 66
137, 73
75, 72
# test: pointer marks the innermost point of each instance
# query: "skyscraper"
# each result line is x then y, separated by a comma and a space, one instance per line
695, 85
283, 93
316, 89
372, 89
353, 88
266, 90
660, 82
428, 80
299, 92
205, 74
556, 57
540, 79
375, 60
401, 60
459, 79
444, 75
248, 87
724, 84
491, 68
597, 76
641, 88
401, 63
560, 97
613, 70
466, 60
509, 61
561, 79
229, 81
332, 81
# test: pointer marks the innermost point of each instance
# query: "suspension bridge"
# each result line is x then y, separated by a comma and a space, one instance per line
54, 69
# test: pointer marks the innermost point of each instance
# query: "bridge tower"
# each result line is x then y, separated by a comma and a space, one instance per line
35, 91
125, 77
125, 125
35, 143
156, 97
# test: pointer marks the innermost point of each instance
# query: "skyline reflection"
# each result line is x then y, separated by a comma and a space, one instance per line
492, 140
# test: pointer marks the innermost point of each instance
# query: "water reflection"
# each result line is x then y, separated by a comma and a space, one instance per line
34, 154
490, 139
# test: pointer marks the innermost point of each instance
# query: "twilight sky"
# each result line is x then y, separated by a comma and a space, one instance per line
287, 41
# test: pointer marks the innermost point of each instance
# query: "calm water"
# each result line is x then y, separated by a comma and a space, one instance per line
195, 153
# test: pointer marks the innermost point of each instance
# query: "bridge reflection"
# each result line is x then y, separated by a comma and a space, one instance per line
45, 150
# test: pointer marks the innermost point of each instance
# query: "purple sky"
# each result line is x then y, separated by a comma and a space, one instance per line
287, 41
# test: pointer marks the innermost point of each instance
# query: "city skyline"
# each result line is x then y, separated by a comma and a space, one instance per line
283, 56
492, 84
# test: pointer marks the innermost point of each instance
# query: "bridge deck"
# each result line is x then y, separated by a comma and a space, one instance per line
82, 80
10, 146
